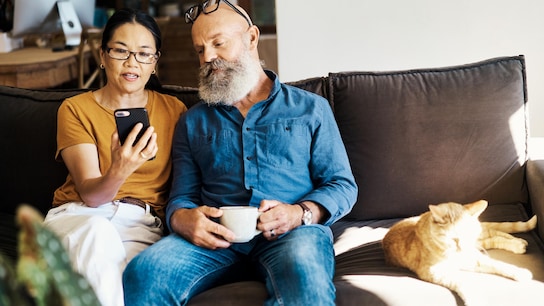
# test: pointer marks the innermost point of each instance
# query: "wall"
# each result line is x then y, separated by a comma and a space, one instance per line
321, 36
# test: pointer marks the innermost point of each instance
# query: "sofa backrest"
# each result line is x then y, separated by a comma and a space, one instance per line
424, 137
413, 137
28, 121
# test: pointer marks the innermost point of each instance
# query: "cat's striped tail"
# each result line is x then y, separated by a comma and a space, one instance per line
511, 227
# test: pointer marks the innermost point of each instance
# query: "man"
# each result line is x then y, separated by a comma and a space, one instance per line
257, 142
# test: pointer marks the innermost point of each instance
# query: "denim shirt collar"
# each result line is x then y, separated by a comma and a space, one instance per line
277, 85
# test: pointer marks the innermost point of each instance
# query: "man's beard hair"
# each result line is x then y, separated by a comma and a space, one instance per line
231, 82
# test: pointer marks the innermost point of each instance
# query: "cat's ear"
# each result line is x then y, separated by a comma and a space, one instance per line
438, 213
477, 208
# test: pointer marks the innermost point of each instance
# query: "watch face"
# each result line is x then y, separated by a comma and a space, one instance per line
307, 217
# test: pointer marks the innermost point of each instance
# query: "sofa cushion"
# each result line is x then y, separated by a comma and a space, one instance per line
434, 135
187, 95
28, 127
362, 274
317, 85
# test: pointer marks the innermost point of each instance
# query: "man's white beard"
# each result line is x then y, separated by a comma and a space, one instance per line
231, 82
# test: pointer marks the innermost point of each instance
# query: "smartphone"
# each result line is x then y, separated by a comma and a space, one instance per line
127, 118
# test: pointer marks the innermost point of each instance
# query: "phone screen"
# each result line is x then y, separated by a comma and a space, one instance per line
127, 118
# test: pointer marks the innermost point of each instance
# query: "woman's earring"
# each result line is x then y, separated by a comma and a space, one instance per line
102, 66
153, 72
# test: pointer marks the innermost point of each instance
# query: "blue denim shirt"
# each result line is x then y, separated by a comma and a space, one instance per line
288, 148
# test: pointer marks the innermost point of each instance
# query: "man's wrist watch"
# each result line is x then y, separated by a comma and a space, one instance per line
306, 214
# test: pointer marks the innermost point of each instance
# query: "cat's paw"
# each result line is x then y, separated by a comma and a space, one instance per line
522, 275
518, 246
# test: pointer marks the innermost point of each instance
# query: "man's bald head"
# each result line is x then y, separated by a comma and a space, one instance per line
225, 15
220, 32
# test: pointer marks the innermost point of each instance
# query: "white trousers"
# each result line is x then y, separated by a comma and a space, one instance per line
101, 241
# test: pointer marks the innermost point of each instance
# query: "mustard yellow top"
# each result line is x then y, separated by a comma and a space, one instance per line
81, 119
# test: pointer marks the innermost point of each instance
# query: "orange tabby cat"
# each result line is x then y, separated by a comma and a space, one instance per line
440, 243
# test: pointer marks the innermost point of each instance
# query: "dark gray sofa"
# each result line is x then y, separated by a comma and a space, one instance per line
413, 137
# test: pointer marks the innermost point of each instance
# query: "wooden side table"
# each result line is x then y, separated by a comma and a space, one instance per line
35, 67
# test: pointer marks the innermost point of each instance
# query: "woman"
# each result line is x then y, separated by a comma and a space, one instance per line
111, 205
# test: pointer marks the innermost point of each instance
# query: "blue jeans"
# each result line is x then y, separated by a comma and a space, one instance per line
297, 269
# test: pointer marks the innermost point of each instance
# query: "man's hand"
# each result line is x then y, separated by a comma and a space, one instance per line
278, 218
195, 226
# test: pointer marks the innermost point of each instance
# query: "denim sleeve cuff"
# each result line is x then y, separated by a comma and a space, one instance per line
329, 204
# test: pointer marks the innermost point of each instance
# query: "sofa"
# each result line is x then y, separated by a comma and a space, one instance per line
414, 138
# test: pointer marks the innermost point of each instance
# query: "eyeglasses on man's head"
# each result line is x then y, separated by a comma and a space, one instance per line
208, 7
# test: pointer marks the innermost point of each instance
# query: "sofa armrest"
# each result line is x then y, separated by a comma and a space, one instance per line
535, 180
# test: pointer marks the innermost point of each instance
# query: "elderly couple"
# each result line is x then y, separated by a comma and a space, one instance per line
251, 141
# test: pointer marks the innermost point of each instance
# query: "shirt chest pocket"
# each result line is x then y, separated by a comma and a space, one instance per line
287, 145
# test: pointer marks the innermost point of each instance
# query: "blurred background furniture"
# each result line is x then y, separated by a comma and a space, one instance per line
90, 43
34, 67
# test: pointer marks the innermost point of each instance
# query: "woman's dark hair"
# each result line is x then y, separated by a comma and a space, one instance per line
124, 16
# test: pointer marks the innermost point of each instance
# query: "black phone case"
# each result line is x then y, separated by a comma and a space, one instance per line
127, 118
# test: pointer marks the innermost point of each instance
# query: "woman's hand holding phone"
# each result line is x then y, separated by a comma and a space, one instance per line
133, 127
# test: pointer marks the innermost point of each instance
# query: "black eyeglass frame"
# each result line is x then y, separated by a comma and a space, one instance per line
199, 8
156, 56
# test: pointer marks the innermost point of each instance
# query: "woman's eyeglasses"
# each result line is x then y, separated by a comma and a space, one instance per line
208, 7
141, 57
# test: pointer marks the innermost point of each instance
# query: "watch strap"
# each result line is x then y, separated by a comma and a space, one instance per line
305, 213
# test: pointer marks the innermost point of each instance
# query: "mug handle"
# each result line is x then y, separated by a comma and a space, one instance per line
257, 232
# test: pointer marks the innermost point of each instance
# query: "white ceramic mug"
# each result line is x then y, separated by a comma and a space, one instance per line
242, 220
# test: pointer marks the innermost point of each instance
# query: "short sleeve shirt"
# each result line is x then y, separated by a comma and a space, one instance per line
81, 119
